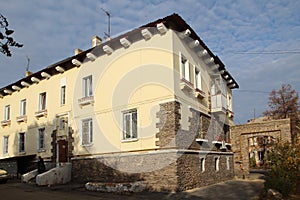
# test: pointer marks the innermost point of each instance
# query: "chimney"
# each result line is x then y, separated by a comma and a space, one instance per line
77, 51
96, 40
28, 73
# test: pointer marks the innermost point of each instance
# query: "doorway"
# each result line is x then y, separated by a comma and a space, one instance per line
62, 150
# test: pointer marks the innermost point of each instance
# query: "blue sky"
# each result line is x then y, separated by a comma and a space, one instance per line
257, 40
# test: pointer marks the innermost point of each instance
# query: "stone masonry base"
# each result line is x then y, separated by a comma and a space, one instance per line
164, 170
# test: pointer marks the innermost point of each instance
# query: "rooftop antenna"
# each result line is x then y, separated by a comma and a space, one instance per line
108, 28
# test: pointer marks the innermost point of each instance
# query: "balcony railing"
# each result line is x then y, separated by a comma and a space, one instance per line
5, 122
86, 101
22, 118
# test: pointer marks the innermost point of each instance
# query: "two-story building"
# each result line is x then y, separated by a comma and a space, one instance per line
153, 104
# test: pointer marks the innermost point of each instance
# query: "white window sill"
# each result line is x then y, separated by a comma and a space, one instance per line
22, 118
129, 140
41, 113
22, 153
86, 101
6, 122
87, 145
41, 150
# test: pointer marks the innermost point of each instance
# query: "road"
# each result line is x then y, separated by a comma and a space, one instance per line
234, 189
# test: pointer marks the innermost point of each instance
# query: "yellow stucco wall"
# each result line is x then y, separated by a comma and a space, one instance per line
138, 77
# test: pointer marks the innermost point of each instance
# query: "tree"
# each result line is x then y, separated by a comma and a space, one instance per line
284, 104
6, 41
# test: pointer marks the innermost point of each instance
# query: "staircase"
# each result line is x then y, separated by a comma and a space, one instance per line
55, 174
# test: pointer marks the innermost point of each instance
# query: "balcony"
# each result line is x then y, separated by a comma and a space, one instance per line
6, 122
199, 93
230, 113
186, 85
41, 113
86, 101
218, 103
22, 118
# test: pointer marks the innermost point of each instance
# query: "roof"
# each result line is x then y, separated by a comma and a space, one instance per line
174, 22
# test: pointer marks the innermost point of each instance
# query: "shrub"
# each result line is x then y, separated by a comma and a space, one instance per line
284, 163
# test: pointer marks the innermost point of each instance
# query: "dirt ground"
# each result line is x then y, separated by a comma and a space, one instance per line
233, 189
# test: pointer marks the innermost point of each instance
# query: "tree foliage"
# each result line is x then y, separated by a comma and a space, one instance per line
282, 103
284, 162
6, 40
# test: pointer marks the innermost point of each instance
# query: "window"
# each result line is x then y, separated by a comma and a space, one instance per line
227, 162
202, 162
87, 132
5, 144
62, 123
130, 124
217, 161
42, 101
21, 142
7, 112
184, 67
87, 86
198, 79
41, 139
23, 107
63, 95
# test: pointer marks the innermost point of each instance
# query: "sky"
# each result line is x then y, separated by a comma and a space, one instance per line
257, 40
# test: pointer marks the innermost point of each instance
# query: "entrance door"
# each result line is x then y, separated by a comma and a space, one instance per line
62, 151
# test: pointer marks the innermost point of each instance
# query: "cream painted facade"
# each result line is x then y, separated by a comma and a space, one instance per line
127, 78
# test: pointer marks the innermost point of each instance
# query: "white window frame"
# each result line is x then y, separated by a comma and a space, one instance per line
21, 143
89, 123
227, 162
198, 78
7, 112
217, 163
62, 95
23, 107
5, 144
202, 163
42, 101
87, 86
41, 139
184, 67
130, 128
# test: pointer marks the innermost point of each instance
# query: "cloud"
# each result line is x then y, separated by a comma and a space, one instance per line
51, 29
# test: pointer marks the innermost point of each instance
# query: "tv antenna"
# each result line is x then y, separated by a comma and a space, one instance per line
108, 28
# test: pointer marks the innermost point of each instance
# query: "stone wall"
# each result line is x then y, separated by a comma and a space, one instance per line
158, 170
239, 137
10, 165
190, 174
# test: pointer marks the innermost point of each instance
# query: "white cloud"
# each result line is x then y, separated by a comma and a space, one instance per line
51, 29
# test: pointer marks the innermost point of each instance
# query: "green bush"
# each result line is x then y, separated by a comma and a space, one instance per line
284, 163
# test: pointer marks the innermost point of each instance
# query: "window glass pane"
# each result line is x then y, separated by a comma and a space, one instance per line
7, 112
91, 131
87, 132
42, 101
63, 95
134, 125
87, 86
130, 124
21, 142
41, 138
